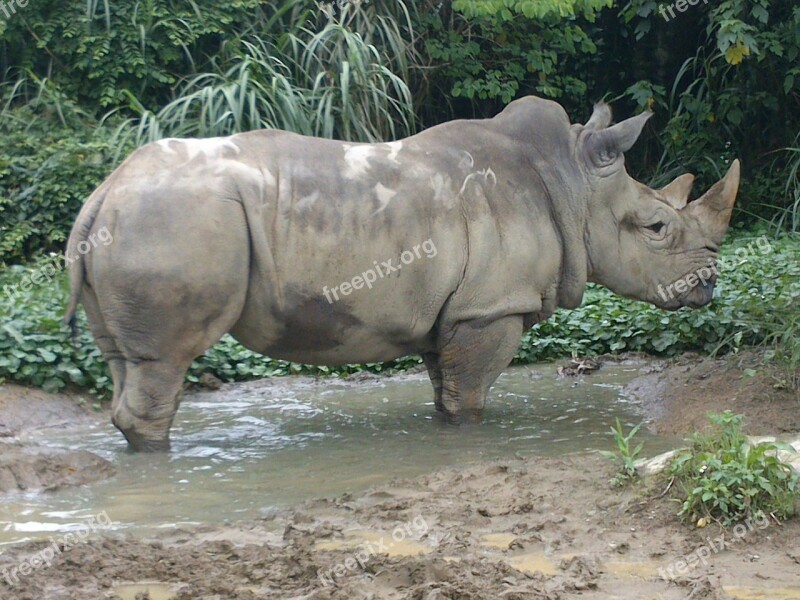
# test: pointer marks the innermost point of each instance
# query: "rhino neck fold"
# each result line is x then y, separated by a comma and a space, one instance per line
567, 207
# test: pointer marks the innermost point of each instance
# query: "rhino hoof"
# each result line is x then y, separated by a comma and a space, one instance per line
139, 443
463, 417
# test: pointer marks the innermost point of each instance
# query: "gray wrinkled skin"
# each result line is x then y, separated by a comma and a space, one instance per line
242, 234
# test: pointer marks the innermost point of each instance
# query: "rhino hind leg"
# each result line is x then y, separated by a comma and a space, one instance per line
155, 302
148, 403
105, 341
159, 344
472, 354
431, 361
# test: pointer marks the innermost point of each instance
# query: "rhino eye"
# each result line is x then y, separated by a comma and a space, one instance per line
656, 227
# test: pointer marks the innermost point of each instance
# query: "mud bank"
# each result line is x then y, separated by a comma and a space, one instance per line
677, 394
33, 468
24, 409
539, 528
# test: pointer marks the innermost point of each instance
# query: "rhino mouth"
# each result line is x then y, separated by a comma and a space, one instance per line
694, 290
700, 296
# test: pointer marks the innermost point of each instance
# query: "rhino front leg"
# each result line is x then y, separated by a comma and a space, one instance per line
472, 354
431, 361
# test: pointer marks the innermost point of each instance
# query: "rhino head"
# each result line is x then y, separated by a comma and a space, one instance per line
642, 243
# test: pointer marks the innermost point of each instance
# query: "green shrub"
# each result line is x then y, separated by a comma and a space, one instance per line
727, 479
47, 170
757, 300
332, 83
102, 53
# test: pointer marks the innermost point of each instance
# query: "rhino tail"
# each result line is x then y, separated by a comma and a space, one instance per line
72, 257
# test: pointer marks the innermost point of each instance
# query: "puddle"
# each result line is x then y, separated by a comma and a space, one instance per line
750, 593
372, 542
498, 540
534, 562
155, 591
240, 452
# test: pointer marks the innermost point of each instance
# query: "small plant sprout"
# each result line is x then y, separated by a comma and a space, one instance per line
624, 456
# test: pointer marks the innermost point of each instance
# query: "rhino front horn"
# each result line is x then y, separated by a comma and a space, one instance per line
714, 209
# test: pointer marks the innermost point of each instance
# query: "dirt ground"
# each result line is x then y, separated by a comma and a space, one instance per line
517, 529
678, 394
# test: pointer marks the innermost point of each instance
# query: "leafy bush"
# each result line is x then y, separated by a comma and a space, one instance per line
482, 55
102, 53
757, 302
331, 83
47, 170
727, 479
733, 93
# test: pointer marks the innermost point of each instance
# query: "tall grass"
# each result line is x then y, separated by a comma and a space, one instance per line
346, 80
789, 215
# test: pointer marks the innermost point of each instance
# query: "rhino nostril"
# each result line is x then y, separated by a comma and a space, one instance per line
714, 249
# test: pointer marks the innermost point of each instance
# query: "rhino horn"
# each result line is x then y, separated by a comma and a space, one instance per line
714, 209
676, 194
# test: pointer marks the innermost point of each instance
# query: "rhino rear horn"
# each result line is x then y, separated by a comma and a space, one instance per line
715, 207
676, 194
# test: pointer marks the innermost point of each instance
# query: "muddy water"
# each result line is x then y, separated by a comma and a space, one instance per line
240, 452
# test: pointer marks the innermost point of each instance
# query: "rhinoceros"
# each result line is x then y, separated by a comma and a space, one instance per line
448, 244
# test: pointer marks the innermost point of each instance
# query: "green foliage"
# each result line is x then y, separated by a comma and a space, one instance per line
99, 52
47, 170
625, 456
756, 300
35, 346
488, 57
727, 479
734, 94
532, 9
332, 83
757, 304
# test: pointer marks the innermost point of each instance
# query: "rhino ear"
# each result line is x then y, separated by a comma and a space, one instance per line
601, 117
676, 194
605, 146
